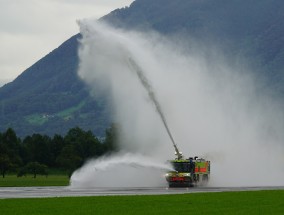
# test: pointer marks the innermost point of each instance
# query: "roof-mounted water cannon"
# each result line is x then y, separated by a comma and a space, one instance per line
177, 152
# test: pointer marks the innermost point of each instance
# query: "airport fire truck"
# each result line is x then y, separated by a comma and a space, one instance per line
188, 172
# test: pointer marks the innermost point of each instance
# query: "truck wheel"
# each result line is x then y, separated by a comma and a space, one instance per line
205, 180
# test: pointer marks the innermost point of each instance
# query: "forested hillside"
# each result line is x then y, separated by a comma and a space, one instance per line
49, 97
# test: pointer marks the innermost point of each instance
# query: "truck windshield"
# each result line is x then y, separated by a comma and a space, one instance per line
181, 166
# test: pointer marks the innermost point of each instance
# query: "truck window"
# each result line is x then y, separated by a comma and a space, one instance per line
181, 166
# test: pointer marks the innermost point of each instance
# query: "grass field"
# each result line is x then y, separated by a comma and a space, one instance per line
257, 202
29, 181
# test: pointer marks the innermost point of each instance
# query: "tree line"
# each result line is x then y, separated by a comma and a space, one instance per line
37, 153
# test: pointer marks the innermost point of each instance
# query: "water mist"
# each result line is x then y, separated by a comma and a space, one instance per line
212, 108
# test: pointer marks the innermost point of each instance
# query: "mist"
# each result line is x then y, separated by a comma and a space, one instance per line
214, 108
121, 170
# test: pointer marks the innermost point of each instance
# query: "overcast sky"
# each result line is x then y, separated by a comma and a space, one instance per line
30, 29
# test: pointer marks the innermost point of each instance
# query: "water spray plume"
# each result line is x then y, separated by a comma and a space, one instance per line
146, 84
120, 170
216, 108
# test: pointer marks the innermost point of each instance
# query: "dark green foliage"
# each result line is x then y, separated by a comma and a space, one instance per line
9, 151
39, 149
33, 168
85, 143
37, 152
5, 164
68, 159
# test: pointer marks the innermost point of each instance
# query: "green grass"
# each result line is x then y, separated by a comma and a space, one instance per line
257, 202
40, 119
36, 119
68, 112
29, 181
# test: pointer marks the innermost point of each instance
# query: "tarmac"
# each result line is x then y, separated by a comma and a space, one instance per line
48, 192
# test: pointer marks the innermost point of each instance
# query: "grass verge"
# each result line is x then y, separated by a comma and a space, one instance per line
29, 181
256, 202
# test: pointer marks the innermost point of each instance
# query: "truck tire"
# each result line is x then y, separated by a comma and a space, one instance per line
205, 180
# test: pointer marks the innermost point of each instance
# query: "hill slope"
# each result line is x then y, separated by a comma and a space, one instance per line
251, 29
49, 97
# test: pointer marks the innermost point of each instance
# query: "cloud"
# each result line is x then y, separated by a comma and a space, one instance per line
42, 25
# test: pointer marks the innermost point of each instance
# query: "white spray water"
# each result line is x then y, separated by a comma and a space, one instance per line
152, 96
120, 170
213, 109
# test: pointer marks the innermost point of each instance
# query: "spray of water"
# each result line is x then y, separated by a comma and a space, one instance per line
145, 83
213, 107
120, 170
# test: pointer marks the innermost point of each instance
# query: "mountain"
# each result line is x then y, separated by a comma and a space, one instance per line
250, 29
49, 97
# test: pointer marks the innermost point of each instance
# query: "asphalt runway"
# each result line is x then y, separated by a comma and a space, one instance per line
46, 192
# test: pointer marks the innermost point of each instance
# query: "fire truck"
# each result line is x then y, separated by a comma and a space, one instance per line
188, 172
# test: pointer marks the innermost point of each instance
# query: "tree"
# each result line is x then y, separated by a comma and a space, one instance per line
68, 152
5, 164
9, 151
35, 168
85, 143
111, 137
38, 149
10, 145
11, 140
57, 144
69, 159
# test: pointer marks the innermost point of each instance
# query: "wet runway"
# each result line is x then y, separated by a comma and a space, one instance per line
44, 192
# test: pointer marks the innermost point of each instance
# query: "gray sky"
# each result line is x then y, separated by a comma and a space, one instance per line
30, 29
